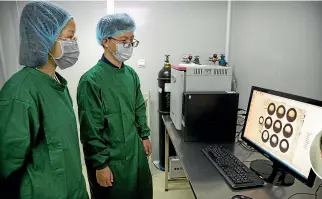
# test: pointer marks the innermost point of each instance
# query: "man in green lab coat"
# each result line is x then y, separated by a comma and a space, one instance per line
112, 117
39, 145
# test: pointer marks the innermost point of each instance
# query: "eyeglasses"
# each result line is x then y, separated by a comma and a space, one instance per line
126, 44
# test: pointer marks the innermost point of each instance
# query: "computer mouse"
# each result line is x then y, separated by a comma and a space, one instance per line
241, 197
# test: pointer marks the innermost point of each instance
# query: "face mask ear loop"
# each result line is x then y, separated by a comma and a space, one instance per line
62, 51
51, 56
109, 50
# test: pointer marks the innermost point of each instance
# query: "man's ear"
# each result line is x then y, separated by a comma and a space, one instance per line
105, 43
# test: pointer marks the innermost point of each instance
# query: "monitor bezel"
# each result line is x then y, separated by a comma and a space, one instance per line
311, 178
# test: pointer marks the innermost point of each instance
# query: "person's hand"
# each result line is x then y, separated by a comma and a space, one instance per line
147, 147
104, 177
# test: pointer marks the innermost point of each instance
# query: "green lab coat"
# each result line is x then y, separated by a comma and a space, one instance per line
38, 138
112, 119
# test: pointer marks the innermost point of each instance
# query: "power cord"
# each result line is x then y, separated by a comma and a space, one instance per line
239, 132
309, 194
245, 146
242, 116
251, 153
242, 143
240, 109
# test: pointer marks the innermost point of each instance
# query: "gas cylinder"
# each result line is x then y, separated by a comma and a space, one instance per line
164, 82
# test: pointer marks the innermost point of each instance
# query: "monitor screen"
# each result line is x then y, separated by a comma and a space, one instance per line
283, 128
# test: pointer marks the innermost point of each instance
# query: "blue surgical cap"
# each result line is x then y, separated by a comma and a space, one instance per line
114, 25
40, 25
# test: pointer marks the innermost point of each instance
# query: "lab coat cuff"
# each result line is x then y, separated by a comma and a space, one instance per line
145, 138
102, 166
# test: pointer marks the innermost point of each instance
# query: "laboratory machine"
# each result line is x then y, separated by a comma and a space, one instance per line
195, 78
210, 116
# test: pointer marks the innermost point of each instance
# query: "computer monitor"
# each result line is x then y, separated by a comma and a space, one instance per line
282, 126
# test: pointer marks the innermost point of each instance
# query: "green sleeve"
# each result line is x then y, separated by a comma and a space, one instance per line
140, 112
19, 125
91, 119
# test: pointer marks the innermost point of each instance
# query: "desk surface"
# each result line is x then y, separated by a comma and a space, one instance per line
207, 182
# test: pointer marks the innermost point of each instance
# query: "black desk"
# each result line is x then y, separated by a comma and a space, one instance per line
207, 182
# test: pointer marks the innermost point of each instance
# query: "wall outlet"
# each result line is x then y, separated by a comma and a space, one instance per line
141, 63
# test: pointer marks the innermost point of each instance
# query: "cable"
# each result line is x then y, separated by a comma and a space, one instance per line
248, 156
242, 143
241, 123
316, 192
308, 194
157, 165
238, 134
245, 146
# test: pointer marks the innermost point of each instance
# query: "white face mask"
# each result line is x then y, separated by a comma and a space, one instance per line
70, 54
122, 53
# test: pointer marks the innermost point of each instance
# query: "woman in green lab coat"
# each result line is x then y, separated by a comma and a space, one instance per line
112, 117
40, 154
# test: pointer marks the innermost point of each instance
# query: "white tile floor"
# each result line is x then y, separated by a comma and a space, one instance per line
176, 190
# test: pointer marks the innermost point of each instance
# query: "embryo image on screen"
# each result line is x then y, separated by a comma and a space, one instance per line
283, 128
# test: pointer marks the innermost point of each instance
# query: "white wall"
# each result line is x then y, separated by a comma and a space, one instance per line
277, 45
173, 28
9, 35
2, 79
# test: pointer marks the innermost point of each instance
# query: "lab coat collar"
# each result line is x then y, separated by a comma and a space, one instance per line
109, 63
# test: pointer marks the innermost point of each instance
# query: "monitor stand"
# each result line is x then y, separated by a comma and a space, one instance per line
272, 173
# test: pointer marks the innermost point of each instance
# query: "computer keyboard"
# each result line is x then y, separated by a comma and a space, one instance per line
236, 173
